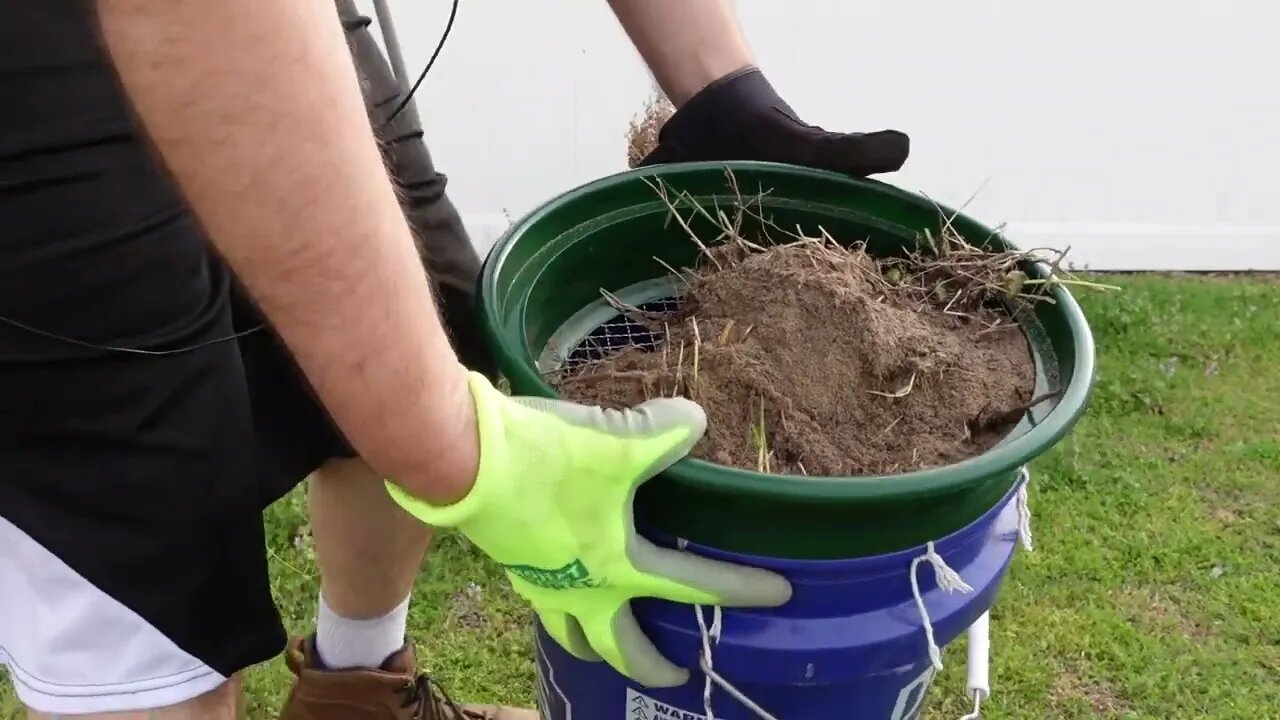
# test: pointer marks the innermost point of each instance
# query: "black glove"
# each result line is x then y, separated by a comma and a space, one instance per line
741, 117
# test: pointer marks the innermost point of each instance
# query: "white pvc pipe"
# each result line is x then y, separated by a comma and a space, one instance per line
980, 656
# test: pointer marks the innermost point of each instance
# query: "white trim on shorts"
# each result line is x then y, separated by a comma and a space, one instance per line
72, 649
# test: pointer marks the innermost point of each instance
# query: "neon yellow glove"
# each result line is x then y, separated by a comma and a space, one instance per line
553, 504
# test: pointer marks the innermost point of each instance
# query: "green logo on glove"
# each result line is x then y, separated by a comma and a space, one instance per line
570, 577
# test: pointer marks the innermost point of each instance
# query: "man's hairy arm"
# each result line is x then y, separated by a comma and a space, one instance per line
688, 44
255, 108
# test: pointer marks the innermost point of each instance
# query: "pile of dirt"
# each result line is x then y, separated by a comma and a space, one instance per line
814, 359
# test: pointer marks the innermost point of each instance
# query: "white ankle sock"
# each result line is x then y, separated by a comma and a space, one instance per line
359, 643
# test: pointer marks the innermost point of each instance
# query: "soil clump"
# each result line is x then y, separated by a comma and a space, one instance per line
814, 359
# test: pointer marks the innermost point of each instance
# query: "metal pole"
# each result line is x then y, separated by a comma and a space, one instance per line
395, 56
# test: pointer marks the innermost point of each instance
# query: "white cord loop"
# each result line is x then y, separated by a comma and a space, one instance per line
711, 639
948, 581
1024, 512
737, 695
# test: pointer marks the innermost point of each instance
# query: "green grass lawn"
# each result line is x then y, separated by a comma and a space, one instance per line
1154, 591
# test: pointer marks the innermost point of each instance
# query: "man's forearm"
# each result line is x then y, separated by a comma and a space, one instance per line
687, 44
256, 110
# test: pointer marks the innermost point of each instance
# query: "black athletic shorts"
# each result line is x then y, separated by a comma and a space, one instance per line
132, 480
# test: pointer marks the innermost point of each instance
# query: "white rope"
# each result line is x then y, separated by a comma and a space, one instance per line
948, 581
1024, 512
710, 637
710, 640
737, 695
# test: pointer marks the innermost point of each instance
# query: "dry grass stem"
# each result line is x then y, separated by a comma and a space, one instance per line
903, 392
642, 134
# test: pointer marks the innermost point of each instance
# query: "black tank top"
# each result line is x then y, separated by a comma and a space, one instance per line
96, 242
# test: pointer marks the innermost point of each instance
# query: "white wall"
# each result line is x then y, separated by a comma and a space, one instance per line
1144, 133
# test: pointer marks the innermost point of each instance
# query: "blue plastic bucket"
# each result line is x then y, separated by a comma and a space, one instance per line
850, 644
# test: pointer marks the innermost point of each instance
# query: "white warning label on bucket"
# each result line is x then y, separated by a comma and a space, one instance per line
643, 707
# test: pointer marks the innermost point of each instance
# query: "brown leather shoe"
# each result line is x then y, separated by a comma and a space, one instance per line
393, 692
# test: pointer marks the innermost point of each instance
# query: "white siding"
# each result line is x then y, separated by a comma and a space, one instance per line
1145, 134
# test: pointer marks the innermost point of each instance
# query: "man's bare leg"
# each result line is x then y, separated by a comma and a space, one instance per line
224, 703
369, 551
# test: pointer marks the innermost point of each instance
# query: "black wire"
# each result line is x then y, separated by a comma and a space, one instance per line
448, 28
131, 351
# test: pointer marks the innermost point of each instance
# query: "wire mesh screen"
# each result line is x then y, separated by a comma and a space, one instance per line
619, 333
